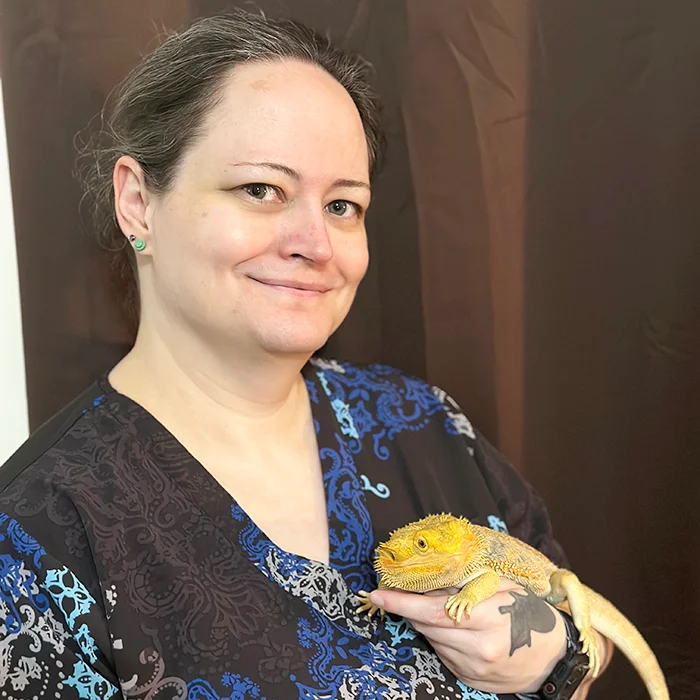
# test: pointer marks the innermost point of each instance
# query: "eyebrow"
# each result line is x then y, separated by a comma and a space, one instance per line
295, 175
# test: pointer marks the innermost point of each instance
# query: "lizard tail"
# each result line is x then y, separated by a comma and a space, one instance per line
611, 623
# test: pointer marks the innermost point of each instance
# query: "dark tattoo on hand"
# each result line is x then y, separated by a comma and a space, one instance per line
528, 613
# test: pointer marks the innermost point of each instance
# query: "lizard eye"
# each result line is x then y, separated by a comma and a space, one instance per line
421, 544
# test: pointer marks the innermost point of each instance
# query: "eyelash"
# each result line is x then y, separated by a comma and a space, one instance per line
359, 211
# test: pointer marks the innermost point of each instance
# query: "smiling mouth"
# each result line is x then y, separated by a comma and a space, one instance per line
304, 289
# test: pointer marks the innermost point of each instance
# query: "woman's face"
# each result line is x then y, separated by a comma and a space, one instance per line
260, 244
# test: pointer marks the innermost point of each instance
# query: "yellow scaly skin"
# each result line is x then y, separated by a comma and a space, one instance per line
443, 551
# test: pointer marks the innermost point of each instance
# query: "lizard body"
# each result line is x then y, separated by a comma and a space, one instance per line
443, 551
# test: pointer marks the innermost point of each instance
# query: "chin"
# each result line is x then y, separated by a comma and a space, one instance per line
295, 334
293, 343
293, 350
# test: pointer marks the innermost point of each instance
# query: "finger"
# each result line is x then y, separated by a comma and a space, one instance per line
455, 638
423, 609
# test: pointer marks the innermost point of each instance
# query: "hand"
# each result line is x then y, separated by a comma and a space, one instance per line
510, 643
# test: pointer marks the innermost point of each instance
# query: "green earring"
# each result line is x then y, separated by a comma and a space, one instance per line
137, 243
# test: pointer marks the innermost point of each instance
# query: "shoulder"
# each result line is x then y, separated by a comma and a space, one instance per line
439, 445
52, 438
40, 514
62, 466
377, 378
390, 396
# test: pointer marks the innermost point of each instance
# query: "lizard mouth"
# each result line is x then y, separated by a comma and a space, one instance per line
386, 564
386, 558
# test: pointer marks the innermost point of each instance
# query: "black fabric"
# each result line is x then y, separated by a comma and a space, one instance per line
125, 561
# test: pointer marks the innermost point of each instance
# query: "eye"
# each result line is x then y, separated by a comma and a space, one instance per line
261, 191
343, 209
421, 544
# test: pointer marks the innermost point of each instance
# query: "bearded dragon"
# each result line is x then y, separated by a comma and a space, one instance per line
444, 551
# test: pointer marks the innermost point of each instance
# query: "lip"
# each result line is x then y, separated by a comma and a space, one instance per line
294, 286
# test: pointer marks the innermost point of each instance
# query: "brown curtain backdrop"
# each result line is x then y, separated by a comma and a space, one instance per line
534, 242
612, 307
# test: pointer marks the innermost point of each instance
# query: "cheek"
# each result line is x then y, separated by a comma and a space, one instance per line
224, 240
352, 258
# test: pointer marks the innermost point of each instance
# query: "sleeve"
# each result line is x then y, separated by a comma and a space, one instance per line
48, 625
522, 508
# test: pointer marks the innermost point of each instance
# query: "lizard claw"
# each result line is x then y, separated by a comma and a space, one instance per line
457, 608
590, 648
367, 605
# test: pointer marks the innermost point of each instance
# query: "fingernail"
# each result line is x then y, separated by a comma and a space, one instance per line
376, 599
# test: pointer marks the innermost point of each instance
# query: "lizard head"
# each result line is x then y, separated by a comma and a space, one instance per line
428, 554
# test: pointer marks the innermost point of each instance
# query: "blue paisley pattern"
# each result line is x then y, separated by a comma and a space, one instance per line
26, 609
242, 688
496, 523
368, 403
380, 490
335, 679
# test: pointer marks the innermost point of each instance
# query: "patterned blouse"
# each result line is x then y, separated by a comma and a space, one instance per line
127, 571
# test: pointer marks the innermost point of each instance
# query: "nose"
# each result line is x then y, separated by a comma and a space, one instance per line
306, 236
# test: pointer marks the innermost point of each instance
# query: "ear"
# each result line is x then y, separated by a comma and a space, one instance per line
131, 200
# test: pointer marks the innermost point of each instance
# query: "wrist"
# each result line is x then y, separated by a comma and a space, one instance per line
543, 657
567, 672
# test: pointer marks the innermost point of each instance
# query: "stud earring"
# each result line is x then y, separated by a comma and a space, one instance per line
137, 243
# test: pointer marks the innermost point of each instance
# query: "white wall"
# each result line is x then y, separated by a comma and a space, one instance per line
14, 423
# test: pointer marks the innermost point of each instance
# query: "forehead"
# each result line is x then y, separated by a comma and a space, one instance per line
288, 112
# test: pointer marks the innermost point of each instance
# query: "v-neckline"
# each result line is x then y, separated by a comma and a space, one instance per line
348, 521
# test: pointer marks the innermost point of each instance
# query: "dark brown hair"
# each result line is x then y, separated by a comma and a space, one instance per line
160, 106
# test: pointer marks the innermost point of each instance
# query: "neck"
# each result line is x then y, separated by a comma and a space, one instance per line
222, 393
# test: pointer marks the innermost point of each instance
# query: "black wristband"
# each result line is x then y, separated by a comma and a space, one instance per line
569, 672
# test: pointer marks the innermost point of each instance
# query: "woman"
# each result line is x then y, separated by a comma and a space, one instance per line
198, 522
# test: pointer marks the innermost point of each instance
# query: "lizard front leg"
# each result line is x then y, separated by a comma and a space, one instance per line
566, 586
472, 593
